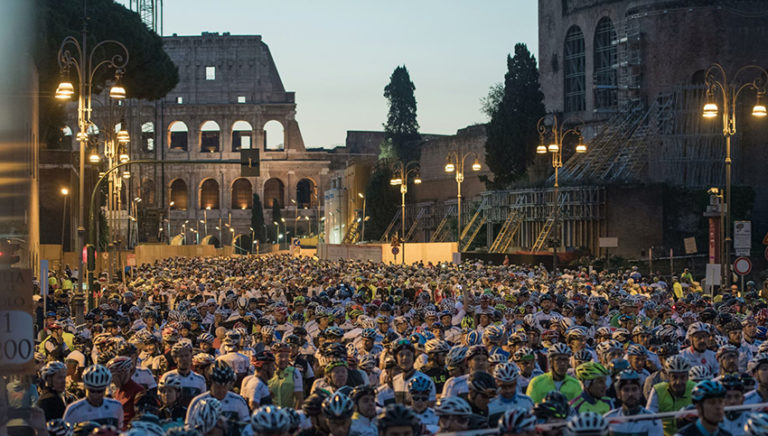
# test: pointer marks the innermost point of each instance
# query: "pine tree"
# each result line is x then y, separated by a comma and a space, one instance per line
276, 218
257, 219
401, 127
512, 134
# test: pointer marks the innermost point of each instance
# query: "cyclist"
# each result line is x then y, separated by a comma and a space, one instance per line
674, 394
205, 416
435, 369
268, 421
482, 388
593, 377
126, 390
364, 418
398, 420
507, 375
758, 367
286, 383
404, 352
338, 410
312, 409
629, 392
172, 411
524, 358
556, 379
709, 398
54, 381
517, 421
457, 369
255, 388
734, 396
95, 407
192, 383
418, 399
233, 406
453, 414
698, 354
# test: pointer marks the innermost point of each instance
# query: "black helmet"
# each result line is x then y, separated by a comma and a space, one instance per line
360, 391
547, 410
222, 373
313, 405
481, 381
397, 415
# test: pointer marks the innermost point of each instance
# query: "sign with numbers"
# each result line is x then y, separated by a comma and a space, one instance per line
17, 346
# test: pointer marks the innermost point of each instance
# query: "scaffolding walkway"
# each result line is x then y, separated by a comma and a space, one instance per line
392, 227
443, 230
472, 228
510, 227
353, 233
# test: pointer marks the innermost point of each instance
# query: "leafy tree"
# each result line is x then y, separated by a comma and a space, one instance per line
276, 217
383, 202
490, 102
150, 73
512, 134
257, 219
401, 127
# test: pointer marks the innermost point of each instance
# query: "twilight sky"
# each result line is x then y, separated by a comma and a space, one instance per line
337, 55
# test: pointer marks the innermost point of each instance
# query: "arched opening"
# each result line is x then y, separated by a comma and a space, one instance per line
274, 189
274, 136
147, 192
242, 244
209, 194
573, 54
242, 194
148, 136
605, 78
211, 240
179, 196
242, 135
305, 193
178, 136
209, 137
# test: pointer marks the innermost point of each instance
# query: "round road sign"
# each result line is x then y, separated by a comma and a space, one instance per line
395, 250
742, 266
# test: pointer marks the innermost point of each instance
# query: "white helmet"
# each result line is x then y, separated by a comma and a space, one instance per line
452, 406
588, 422
436, 346
699, 373
677, 363
697, 327
506, 372
97, 377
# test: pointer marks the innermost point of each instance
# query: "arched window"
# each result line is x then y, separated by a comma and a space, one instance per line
273, 191
606, 89
242, 195
209, 137
209, 194
179, 197
305, 193
274, 136
242, 135
574, 70
148, 136
178, 136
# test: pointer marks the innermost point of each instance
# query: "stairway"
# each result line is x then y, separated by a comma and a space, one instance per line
511, 225
473, 227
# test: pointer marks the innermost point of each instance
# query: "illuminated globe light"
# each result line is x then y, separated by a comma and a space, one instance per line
541, 149
449, 168
553, 148
710, 110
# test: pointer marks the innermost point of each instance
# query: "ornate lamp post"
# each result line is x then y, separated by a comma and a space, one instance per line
400, 178
555, 135
454, 162
717, 82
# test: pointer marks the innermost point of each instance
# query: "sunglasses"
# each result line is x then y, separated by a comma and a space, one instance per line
420, 397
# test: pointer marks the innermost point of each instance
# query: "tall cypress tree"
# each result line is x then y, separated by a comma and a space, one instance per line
401, 127
257, 219
276, 218
512, 134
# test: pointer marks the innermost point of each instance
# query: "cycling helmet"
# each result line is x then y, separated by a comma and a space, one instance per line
171, 380
621, 335
59, 427
516, 420
334, 332
637, 350
474, 338
603, 347
697, 327
727, 349
270, 419
756, 425
667, 349
756, 361
518, 338
678, 363
523, 354
436, 346
202, 360
506, 373
707, 389
452, 406
588, 423
338, 406
456, 356
477, 350
120, 363
269, 330
51, 368
367, 362
497, 357
618, 365
147, 428
361, 391
591, 371
204, 414
575, 333
582, 356
559, 350
313, 405
220, 372
481, 381
641, 330
699, 373
397, 415
294, 419
97, 377
493, 333
419, 384
369, 334
732, 383
627, 376
551, 410
182, 431
603, 332
180, 347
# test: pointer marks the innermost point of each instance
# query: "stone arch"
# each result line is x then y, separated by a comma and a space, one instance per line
209, 194
274, 190
573, 69
178, 136
147, 192
305, 193
604, 58
210, 135
148, 136
242, 135
242, 194
274, 136
179, 195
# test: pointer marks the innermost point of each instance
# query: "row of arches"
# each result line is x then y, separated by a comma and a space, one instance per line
604, 73
209, 194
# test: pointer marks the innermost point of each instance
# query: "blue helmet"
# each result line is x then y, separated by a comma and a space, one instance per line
707, 389
474, 338
419, 384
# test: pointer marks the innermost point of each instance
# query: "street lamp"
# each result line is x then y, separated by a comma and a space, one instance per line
455, 163
362, 234
74, 54
65, 193
556, 136
717, 82
402, 171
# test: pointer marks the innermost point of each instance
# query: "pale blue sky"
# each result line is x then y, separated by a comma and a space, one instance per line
337, 55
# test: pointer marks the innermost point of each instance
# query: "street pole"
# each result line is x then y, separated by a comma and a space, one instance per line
65, 192
403, 190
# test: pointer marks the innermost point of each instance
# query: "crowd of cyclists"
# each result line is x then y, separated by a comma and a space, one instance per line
279, 345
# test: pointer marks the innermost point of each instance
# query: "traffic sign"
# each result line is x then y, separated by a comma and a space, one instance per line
395, 251
16, 323
742, 266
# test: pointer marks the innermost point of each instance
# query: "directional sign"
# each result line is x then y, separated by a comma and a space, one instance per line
395, 251
17, 346
742, 266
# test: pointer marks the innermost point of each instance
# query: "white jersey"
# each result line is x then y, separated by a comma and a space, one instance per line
400, 386
646, 427
707, 358
362, 426
144, 377
237, 361
256, 391
110, 412
456, 386
192, 384
233, 406
427, 417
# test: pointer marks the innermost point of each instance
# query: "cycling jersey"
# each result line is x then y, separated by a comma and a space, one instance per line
588, 403
427, 417
735, 425
523, 381
233, 407
110, 412
498, 405
237, 361
696, 429
662, 400
362, 426
256, 391
192, 385
540, 386
456, 387
400, 383
144, 377
644, 427
706, 358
